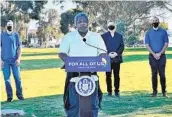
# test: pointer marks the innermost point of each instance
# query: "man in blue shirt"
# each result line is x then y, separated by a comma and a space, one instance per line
115, 47
10, 58
156, 41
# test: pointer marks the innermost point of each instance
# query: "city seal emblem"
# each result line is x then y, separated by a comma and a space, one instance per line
85, 85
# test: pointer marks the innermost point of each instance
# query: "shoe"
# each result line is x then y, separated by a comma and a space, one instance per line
153, 94
9, 99
117, 94
21, 98
165, 95
109, 94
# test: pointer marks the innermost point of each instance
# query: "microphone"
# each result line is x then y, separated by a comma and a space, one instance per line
85, 40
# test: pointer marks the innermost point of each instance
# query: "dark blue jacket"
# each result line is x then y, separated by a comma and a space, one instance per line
114, 44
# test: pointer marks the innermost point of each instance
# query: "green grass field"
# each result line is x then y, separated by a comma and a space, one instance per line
43, 83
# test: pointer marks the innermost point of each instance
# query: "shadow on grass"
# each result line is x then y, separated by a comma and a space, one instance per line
141, 49
45, 106
137, 101
36, 64
41, 64
129, 102
131, 58
34, 53
39, 54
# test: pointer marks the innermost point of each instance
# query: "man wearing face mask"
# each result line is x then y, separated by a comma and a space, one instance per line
73, 45
10, 59
115, 47
156, 41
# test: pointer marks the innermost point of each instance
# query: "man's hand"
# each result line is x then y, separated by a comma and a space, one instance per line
18, 62
156, 56
113, 54
103, 54
1, 64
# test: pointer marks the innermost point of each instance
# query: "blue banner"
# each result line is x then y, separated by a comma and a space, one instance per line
88, 64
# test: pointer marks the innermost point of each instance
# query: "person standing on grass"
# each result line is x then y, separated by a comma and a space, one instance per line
73, 45
11, 49
156, 41
115, 46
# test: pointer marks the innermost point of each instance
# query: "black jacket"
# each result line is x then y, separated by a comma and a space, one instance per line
114, 44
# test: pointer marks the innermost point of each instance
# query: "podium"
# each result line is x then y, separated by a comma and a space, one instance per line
83, 89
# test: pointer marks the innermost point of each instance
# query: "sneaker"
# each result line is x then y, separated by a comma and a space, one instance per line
117, 94
21, 98
153, 94
9, 99
109, 94
165, 95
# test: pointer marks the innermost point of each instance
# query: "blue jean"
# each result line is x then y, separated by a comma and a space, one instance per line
16, 73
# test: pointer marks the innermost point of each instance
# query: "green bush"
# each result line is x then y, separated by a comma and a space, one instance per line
132, 39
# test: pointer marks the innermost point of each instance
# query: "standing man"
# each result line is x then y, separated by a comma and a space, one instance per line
156, 41
115, 47
10, 58
73, 45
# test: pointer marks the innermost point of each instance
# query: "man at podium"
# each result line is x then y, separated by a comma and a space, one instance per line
80, 43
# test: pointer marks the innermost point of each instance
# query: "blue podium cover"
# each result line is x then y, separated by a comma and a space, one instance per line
88, 64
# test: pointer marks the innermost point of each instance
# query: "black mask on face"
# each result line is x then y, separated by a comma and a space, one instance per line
9, 28
111, 27
155, 25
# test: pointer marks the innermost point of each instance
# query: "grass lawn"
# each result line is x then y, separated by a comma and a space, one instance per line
43, 83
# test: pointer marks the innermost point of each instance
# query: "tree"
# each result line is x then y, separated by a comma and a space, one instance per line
16, 10
67, 18
131, 13
20, 12
49, 26
165, 4
131, 40
164, 25
127, 11
120, 27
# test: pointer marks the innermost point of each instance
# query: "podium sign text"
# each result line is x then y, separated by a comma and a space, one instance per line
87, 64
